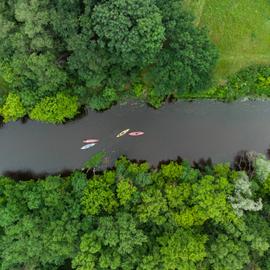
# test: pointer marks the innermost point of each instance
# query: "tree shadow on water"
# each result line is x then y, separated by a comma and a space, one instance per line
83, 112
178, 160
203, 165
244, 161
25, 175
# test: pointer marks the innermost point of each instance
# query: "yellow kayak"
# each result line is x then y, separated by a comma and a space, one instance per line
122, 133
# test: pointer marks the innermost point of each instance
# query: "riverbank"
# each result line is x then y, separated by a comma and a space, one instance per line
191, 130
138, 213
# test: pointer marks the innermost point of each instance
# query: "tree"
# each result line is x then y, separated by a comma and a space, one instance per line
29, 45
242, 199
41, 221
187, 58
153, 206
125, 191
172, 217
182, 249
94, 161
130, 30
95, 50
55, 109
13, 108
111, 245
98, 196
103, 101
226, 253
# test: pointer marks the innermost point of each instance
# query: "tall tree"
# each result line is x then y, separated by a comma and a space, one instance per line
41, 221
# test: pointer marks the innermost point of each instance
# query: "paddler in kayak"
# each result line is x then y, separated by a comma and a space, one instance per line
88, 146
136, 133
90, 141
122, 133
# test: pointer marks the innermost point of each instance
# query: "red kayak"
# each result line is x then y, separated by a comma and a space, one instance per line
136, 133
90, 141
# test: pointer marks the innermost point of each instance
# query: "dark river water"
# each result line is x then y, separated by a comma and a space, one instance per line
191, 130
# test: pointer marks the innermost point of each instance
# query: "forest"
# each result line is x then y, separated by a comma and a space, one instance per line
134, 216
58, 55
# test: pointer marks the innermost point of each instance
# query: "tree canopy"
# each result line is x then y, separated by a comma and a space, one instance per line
137, 217
84, 48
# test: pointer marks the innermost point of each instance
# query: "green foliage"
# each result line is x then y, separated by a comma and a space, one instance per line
182, 249
125, 190
40, 222
97, 50
227, 254
262, 168
131, 30
187, 58
155, 99
103, 101
138, 90
95, 160
55, 109
132, 217
111, 244
209, 201
251, 82
240, 30
12, 108
98, 195
153, 206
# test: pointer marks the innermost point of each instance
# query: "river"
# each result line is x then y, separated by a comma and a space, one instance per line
191, 130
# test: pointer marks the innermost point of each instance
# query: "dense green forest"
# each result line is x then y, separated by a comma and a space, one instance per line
134, 216
56, 55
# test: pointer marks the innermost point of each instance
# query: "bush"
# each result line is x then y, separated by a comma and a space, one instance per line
253, 81
104, 101
13, 108
154, 99
55, 109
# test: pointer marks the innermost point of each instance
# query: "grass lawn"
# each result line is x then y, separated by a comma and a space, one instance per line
239, 28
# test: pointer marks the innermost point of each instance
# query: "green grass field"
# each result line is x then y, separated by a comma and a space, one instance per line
239, 28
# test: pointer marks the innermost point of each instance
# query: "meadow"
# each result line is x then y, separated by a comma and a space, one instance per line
239, 28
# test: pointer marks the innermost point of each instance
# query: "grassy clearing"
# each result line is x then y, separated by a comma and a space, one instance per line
239, 28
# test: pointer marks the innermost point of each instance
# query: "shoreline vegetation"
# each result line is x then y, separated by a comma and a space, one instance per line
58, 57
252, 83
46, 76
134, 216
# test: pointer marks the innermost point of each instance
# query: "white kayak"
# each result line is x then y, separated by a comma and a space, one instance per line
122, 133
88, 146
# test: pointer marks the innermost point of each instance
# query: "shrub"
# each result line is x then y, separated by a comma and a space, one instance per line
13, 108
104, 101
55, 109
154, 99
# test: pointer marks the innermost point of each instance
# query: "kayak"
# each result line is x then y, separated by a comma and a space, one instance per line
122, 133
91, 141
136, 133
88, 146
